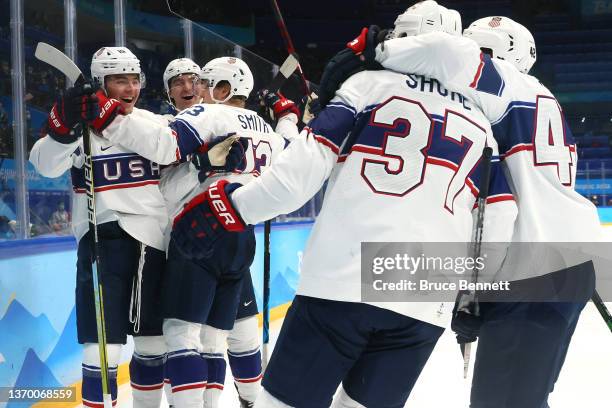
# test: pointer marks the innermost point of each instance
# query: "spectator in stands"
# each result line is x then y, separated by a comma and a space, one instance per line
60, 219
595, 199
6, 142
5, 81
609, 204
3, 116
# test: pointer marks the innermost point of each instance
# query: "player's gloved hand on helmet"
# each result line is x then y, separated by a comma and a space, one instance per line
221, 155
205, 219
358, 56
109, 108
278, 104
465, 325
75, 106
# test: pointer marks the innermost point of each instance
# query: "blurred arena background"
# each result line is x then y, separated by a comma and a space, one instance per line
37, 251
574, 40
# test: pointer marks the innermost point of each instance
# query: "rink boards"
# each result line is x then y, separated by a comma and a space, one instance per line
38, 345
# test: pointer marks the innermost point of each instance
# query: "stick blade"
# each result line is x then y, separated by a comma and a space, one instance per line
284, 72
54, 57
289, 66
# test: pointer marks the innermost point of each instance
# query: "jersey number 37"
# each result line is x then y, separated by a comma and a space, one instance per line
404, 154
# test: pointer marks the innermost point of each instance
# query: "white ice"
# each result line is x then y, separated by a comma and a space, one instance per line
584, 382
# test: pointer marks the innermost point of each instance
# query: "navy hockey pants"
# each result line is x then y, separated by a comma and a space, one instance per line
375, 353
522, 347
120, 256
208, 291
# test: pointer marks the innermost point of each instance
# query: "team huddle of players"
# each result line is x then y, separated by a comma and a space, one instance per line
398, 138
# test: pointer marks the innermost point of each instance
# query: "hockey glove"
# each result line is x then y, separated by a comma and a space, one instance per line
108, 108
358, 56
222, 155
75, 106
205, 219
278, 104
465, 325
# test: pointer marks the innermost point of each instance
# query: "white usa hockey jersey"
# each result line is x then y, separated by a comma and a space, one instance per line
191, 129
126, 184
537, 147
403, 166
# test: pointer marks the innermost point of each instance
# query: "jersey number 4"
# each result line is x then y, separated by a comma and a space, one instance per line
405, 153
549, 144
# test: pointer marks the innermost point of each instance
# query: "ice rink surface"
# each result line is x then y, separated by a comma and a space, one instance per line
585, 381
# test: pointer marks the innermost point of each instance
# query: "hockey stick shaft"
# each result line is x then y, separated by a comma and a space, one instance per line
285, 71
266, 292
64, 64
280, 22
468, 303
602, 309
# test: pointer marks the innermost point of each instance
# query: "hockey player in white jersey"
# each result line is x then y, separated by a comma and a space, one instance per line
183, 86
131, 218
201, 289
522, 345
398, 161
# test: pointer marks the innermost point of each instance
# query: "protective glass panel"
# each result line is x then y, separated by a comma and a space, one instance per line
48, 198
7, 196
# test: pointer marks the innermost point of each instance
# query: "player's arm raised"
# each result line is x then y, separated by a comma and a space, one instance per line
52, 155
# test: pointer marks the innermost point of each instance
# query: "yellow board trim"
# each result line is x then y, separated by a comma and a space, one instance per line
123, 372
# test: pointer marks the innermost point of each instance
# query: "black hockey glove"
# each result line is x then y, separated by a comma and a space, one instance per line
465, 325
222, 155
78, 104
205, 219
358, 56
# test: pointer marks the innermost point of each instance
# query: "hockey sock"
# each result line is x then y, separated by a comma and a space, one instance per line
216, 379
187, 372
343, 400
147, 379
246, 369
167, 386
213, 342
92, 386
245, 357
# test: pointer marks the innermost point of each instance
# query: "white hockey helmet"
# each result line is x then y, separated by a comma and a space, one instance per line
452, 22
507, 40
230, 69
425, 17
177, 67
113, 61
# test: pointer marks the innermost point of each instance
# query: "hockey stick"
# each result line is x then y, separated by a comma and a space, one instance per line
468, 302
284, 72
266, 294
64, 64
280, 22
602, 309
